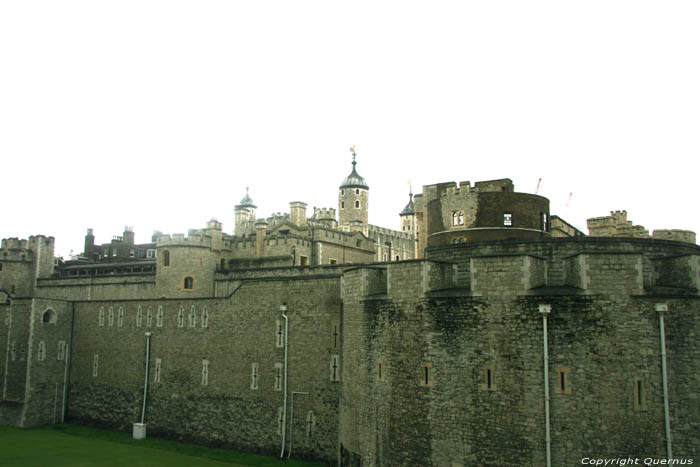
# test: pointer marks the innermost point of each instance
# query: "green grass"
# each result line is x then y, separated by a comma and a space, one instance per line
74, 445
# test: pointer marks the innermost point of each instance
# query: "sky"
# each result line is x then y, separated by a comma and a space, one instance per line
159, 114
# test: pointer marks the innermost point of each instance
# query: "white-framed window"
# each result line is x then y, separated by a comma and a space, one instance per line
132, 253
278, 377
101, 317
335, 368
279, 334
192, 317
159, 317
95, 364
181, 317
457, 218
149, 316
139, 317
159, 368
254, 376
61, 352
205, 372
110, 316
120, 317
507, 219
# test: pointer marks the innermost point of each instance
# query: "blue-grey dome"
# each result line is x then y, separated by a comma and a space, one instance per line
354, 180
247, 201
408, 210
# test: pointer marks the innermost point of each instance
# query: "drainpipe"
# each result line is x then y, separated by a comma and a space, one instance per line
545, 310
291, 421
661, 308
283, 309
145, 380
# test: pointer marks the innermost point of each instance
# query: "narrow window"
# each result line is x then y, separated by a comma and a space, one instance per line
205, 317
149, 317
545, 222
640, 395
159, 317
562, 383
139, 317
380, 370
205, 372
41, 352
357, 203
192, 317
95, 364
110, 317
254, 376
488, 382
310, 423
114, 252
188, 283
342, 205
398, 258
181, 317
49, 317
280, 334
101, 317
13, 352
357, 191
61, 353
304, 260
280, 420
457, 218
342, 192
426, 378
507, 219
120, 317
384, 256
335, 368
335, 336
278, 376
159, 366
166, 258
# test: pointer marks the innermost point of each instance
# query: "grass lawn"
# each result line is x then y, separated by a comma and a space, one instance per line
73, 445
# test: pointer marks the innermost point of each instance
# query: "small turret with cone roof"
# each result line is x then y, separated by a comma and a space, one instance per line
353, 200
244, 215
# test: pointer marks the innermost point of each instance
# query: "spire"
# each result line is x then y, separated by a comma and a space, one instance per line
408, 210
247, 201
354, 180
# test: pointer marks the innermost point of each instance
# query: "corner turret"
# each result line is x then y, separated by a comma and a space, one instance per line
353, 201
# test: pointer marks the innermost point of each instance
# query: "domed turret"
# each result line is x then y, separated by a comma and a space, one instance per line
246, 201
244, 215
408, 210
353, 201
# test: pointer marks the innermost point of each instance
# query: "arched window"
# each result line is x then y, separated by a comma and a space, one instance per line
357, 203
49, 317
458, 218
398, 258
188, 282
166, 258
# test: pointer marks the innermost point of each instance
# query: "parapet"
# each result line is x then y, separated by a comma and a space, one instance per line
178, 239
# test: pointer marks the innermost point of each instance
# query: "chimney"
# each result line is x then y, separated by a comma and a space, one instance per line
260, 233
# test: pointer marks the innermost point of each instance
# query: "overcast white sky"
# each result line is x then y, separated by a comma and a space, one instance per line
157, 115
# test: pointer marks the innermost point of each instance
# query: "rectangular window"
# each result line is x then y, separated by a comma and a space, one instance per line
139, 317
335, 368
640, 395
310, 423
101, 317
61, 353
114, 252
280, 420
457, 218
562, 381
120, 317
357, 204
95, 364
159, 317
132, 253
279, 335
303, 260
254, 376
545, 222
205, 372
110, 317
159, 366
380, 370
192, 317
149, 317
508, 220
488, 378
181, 317
205, 317
278, 376
426, 376
41, 352
332, 261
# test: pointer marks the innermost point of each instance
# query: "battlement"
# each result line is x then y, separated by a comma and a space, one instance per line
324, 214
390, 232
192, 240
21, 246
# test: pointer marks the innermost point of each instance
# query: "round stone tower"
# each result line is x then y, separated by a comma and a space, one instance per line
353, 200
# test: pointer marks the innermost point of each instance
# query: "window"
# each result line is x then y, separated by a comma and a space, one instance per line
357, 203
398, 258
120, 317
254, 376
335, 368
640, 395
488, 381
278, 377
114, 252
95, 364
342, 192
188, 282
545, 222
110, 317
303, 260
380, 370
150, 253
562, 383
101, 317
279, 335
105, 252
181, 317
139, 317
61, 353
159, 317
310, 423
166, 258
205, 317
507, 219
132, 253
457, 218
49, 317
426, 377
149, 317
205, 372
41, 352
159, 366
192, 317
332, 261
342, 205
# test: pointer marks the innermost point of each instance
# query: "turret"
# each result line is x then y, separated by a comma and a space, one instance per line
244, 214
297, 213
353, 200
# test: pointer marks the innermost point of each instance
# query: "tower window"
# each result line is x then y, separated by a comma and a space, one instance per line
357, 203
342, 192
545, 222
562, 383
342, 205
488, 381
640, 395
507, 219
458, 218
426, 379
357, 191
188, 282
166, 258
49, 317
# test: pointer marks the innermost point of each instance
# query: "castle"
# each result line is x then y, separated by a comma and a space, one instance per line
483, 332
